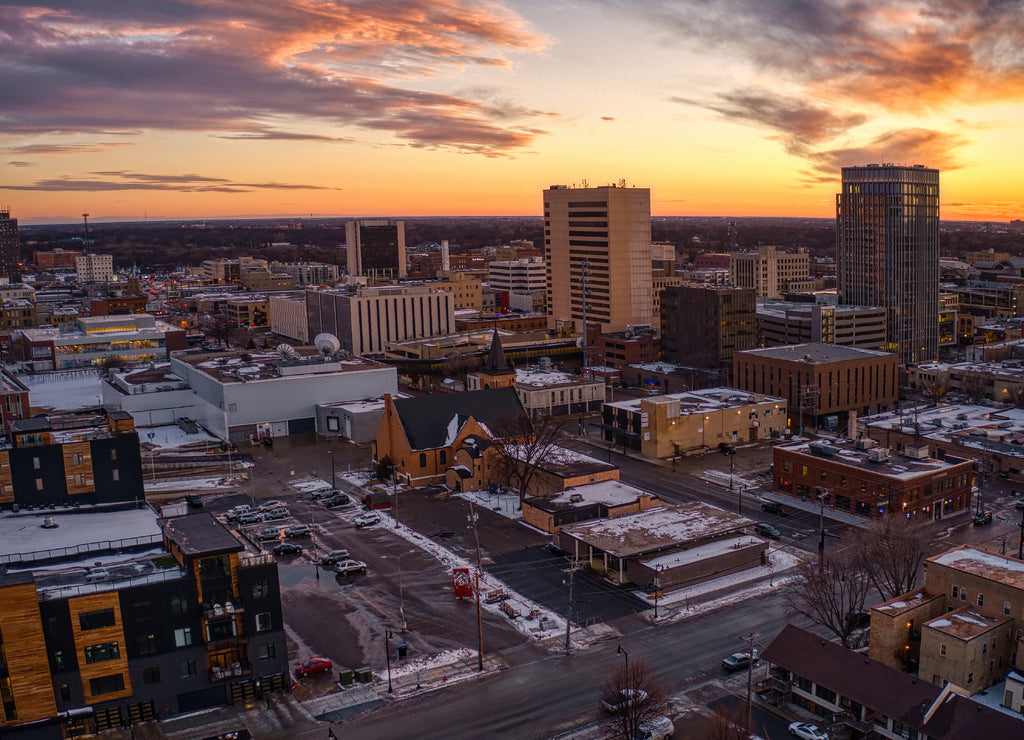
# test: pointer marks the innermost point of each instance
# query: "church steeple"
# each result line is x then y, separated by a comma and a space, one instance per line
496, 364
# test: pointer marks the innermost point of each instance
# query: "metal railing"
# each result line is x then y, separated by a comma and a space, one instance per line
78, 589
59, 553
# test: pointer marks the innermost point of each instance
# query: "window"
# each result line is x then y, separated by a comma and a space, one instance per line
115, 475
57, 658
956, 590
183, 637
102, 651
151, 675
36, 464
942, 649
113, 454
39, 484
186, 668
65, 692
179, 605
981, 599
263, 623
443, 457
963, 594
268, 651
984, 649
146, 644
96, 619
106, 684
423, 459
1006, 608
260, 590
76, 458
970, 678
785, 466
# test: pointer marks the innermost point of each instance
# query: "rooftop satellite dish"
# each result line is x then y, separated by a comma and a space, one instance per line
286, 351
326, 344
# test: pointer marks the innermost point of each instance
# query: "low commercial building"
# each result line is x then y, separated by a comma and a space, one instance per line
550, 392
784, 323
822, 383
665, 426
865, 479
98, 340
605, 500
667, 547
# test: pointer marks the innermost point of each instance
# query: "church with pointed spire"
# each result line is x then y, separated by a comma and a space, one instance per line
495, 372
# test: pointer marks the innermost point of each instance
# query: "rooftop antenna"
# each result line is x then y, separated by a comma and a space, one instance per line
85, 217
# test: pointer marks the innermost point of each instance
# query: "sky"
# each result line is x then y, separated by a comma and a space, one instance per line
195, 109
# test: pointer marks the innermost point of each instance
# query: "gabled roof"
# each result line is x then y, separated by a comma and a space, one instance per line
885, 690
427, 419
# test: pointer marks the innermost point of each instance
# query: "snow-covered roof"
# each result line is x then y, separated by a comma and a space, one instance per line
702, 401
966, 623
984, 564
898, 468
535, 377
702, 552
906, 601
64, 391
609, 492
656, 529
77, 528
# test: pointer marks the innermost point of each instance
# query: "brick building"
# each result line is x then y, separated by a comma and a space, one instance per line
823, 383
703, 325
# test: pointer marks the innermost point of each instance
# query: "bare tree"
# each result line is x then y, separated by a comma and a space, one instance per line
829, 593
632, 697
218, 327
890, 551
526, 443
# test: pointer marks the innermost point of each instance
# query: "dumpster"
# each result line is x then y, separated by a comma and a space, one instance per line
403, 649
346, 676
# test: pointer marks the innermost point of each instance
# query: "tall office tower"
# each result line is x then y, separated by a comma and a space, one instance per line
703, 325
887, 244
609, 227
10, 249
376, 248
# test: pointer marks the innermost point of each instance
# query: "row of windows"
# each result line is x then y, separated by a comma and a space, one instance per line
960, 592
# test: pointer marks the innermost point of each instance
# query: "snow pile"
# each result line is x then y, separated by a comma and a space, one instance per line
209, 483
432, 662
309, 485
506, 504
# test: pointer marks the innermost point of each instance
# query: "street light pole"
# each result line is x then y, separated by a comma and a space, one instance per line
387, 648
479, 610
624, 654
330, 454
822, 495
750, 672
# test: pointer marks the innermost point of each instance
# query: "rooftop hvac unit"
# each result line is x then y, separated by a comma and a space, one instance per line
916, 452
880, 454
865, 443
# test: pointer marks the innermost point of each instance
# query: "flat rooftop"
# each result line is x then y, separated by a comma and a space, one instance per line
609, 493
702, 401
656, 529
709, 551
200, 533
966, 623
76, 530
243, 367
816, 353
906, 602
897, 467
983, 564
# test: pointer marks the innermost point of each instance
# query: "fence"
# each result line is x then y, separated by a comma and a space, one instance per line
61, 553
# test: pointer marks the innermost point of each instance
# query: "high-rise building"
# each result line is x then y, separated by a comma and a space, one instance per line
376, 248
703, 325
10, 250
887, 244
94, 268
608, 227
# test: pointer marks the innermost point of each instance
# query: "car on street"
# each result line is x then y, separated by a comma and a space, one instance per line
767, 530
249, 517
298, 530
773, 507
333, 557
625, 699
312, 666
269, 533
366, 520
726, 449
338, 499
287, 548
984, 517
48, 523
806, 731
659, 728
345, 567
738, 661
274, 514
194, 500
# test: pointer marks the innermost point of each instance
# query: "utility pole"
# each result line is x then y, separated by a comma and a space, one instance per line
479, 609
823, 493
568, 609
1020, 551
750, 673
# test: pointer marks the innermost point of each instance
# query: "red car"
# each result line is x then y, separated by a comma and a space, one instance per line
314, 665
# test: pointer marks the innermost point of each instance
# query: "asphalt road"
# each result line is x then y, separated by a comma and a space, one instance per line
544, 696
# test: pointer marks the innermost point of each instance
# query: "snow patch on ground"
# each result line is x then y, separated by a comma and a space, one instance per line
506, 504
198, 484
432, 662
172, 436
309, 485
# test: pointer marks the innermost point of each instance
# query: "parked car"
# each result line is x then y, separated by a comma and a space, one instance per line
625, 699
287, 548
738, 661
97, 575
659, 728
806, 731
1019, 503
767, 530
270, 504
984, 517
274, 514
249, 517
269, 533
236, 511
338, 499
194, 500
726, 449
48, 523
297, 530
366, 520
333, 557
350, 566
773, 507
322, 493
314, 665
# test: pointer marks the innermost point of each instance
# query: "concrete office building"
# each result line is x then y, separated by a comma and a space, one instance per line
10, 248
786, 323
887, 243
94, 268
608, 227
368, 318
528, 274
769, 271
376, 248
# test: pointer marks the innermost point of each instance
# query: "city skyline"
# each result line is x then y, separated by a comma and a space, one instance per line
206, 109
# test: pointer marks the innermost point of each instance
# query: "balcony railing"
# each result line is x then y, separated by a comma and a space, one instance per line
227, 642
242, 668
222, 609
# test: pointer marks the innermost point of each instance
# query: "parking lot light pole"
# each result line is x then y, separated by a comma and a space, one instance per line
330, 454
624, 654
387, 649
